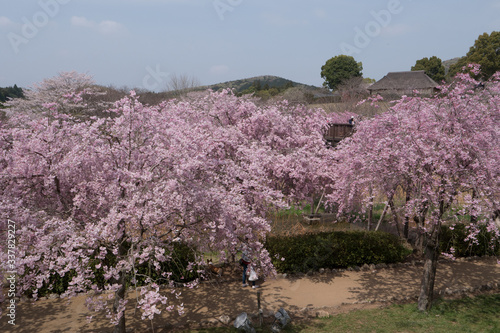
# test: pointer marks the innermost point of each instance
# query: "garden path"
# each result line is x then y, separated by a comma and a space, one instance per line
304, 296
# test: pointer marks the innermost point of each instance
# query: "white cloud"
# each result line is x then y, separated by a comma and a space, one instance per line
5, 22
105, 27
219, 69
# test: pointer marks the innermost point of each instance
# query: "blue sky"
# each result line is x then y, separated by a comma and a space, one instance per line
141, 43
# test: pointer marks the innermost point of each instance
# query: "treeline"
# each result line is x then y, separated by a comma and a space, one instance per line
265, 91
10, 92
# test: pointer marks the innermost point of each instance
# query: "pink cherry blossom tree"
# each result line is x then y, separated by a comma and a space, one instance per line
132, 185
438, 150
71, 92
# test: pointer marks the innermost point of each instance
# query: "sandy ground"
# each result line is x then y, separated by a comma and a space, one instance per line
332, 292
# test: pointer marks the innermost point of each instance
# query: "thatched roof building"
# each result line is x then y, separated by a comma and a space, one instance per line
404, 83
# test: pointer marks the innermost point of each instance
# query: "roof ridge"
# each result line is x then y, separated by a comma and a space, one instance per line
404, 80
419, 71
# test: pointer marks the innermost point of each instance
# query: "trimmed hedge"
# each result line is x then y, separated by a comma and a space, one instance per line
334, 250
455, 237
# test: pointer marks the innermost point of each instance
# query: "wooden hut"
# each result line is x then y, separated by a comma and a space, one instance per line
404, 83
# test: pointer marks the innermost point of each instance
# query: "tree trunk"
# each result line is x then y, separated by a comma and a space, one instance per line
389, 198
395, 216
370, 210
431, 256
121, 291
420, 221
119, 296
370, 215
382, 216
473, 217
407, 219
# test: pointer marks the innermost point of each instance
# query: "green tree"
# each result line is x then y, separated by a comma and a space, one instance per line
263, 94
273, 91
485, 52
338, 69
288, 84
10, 92
432, 66
257, 85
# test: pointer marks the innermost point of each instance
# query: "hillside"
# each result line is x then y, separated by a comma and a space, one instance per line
449, 62
270, 80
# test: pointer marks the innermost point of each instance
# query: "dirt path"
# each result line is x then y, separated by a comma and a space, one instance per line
301, 297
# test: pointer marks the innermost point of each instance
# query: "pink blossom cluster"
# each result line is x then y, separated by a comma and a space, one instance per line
442, 152
204, 172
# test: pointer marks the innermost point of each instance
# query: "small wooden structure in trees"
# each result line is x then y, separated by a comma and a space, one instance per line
336, 132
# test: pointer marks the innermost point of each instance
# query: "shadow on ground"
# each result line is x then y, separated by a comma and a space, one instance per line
337, 292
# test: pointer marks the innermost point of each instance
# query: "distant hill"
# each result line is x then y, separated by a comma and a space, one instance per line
449, 62
270, 80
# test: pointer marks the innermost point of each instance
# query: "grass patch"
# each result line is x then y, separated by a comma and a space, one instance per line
478, 314
471, 314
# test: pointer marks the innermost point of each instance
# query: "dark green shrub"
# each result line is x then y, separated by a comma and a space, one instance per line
303, 253
179, 258
456, 237
57, 284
